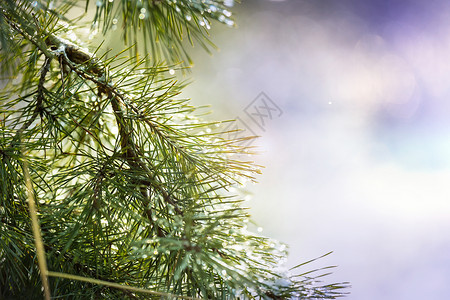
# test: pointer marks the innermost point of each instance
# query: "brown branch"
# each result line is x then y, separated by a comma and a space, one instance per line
72, 56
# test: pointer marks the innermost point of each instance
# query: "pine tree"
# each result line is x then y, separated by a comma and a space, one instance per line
111, 186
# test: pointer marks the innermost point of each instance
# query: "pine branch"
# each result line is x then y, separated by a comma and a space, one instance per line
130, 189
130, 150
163, 24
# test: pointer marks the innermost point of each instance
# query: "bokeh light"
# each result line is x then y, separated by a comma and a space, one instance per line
359, 161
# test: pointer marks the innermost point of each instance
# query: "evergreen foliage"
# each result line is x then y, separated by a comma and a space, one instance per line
131, 187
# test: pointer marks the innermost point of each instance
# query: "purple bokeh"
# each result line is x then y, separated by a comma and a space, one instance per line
359, 162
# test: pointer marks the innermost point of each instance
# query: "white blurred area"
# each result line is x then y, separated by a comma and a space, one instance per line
359, 161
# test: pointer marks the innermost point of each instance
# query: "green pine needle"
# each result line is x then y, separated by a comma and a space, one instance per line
131, 187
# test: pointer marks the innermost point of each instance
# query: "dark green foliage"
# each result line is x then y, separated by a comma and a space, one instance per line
131, 186
162, 25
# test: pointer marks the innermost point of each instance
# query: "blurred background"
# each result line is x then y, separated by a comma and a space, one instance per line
355, 133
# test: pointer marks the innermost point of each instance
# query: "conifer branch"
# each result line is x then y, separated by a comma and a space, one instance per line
129, 148
143, 202
27, 33
73, 55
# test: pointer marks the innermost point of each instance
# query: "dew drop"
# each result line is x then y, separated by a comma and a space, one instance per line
171, 71
34, 4
99, 3
188, 17
206, 23
228, 3
259, 229
114, 21
229, 22
226, 13
224, 272
73, 37
141, 16
143, 10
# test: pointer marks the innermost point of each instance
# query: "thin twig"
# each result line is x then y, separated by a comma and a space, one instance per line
42, 263
61, 68
117, 285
